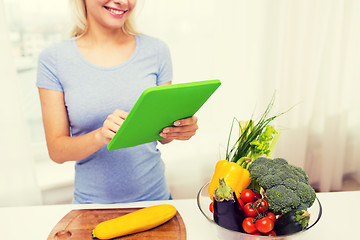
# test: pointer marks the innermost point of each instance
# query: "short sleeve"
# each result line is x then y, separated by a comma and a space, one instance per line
47, 75
165, 72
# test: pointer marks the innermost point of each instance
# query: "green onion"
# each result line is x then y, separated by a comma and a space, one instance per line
241, 151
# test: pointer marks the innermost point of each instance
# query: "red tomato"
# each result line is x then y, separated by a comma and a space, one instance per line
257, 196
264, 225
250, 210
271, 216
271, 233
256, 233
249, 225
211, 207
261, 205
247, 196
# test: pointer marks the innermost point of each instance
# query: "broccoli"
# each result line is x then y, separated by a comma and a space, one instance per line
286, 186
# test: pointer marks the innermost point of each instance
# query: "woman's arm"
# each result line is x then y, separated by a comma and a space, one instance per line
61, 146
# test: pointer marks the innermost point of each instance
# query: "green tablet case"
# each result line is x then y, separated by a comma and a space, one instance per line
159, 107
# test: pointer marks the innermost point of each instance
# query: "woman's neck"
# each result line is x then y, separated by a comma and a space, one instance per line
106, 48
105, 37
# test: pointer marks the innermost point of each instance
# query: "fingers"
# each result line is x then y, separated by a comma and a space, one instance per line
110, 127
186, 121
120, 113
114, 120
180, 135
112, 124
184, 129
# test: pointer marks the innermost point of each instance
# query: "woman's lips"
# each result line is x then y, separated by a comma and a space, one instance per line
115, 12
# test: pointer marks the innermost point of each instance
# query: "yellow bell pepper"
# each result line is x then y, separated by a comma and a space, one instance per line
235, 176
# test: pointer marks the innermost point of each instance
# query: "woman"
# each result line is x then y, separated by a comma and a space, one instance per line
87, 84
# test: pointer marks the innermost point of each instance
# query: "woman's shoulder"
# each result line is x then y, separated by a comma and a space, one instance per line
62, 46
150, 40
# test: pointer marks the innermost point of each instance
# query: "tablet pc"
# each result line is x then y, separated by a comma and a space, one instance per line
159, 107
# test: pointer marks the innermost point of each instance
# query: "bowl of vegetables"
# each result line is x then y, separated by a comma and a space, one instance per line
252, 196
206, 206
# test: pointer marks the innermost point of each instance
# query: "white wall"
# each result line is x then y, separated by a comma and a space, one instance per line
17, 173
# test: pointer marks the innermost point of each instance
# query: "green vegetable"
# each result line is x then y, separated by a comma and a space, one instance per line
254, 140
286, 186
261, 146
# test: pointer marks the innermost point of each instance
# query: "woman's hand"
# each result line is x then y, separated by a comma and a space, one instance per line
111, 125
183, 129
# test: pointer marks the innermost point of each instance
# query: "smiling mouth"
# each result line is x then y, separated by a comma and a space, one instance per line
115, 11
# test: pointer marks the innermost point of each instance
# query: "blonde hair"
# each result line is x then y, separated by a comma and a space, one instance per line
79, 21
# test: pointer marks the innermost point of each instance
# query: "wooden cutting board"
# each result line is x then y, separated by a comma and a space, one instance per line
79, 223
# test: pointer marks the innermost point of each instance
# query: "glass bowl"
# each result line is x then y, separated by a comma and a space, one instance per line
203, 201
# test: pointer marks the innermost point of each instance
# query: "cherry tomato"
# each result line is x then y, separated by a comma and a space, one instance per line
247, 196
264, 225
250, 210
241, 203
271, 216
256, 233
261, 205
271, 233
249, 225
257, 195
211, 207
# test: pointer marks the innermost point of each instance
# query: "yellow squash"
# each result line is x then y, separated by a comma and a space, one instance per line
138, 221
